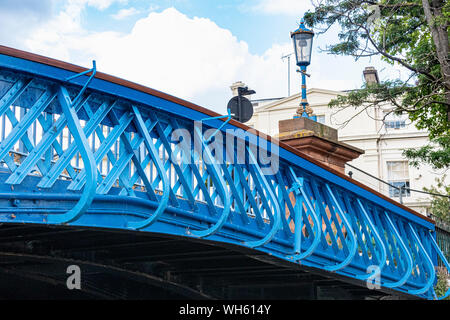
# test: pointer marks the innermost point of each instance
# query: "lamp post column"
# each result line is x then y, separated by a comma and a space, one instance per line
302, 40
303, 102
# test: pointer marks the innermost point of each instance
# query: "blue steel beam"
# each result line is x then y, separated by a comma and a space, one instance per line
20, 130
404, 250
48, 139
142, 129
183, 180
429, 264
276, 215
352, 249
382, 257
73, 123
63, 162
216, 175
282, 189
299, 189
104, 149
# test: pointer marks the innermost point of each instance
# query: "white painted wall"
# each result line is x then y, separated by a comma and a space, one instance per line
380, 144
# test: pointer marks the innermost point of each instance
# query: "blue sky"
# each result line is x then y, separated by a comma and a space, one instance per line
238, 16
193, 49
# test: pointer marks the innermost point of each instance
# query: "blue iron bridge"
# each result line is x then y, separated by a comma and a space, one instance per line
89, 161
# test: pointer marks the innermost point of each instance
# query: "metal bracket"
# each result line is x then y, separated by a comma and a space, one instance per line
93, 70
160, 168
73, 123
382, 259
221, 186
297, 187
427, 258
228, 116
277, 211
303, 72
353, 248
408, 256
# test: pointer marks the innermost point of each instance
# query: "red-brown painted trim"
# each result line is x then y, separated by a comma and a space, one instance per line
103, 76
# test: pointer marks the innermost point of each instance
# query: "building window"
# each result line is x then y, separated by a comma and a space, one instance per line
398, 177
395, 121
321, 118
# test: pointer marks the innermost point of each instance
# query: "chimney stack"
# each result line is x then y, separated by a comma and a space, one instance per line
371, 75
234, 87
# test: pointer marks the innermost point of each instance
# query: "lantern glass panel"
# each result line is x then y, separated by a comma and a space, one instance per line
302, 48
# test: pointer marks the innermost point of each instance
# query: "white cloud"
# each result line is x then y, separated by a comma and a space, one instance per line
153, 7
18, 17
285, 7
100, 4
168, 51
192, 58
125, 13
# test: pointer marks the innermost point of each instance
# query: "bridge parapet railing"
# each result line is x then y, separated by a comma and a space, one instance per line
230, 185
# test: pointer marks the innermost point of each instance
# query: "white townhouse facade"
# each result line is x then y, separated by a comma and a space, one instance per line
382, 142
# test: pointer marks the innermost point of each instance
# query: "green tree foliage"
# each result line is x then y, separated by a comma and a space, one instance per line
440, 206
441, 286
412, 34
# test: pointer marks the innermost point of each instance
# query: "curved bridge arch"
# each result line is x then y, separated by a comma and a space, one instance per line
114, 159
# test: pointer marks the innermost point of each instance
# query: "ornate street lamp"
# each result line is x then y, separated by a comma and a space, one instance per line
302, 39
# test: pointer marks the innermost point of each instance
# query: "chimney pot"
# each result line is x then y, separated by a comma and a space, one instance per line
234, 87
371, 75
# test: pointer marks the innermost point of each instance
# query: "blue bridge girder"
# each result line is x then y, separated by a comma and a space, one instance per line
81, 148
